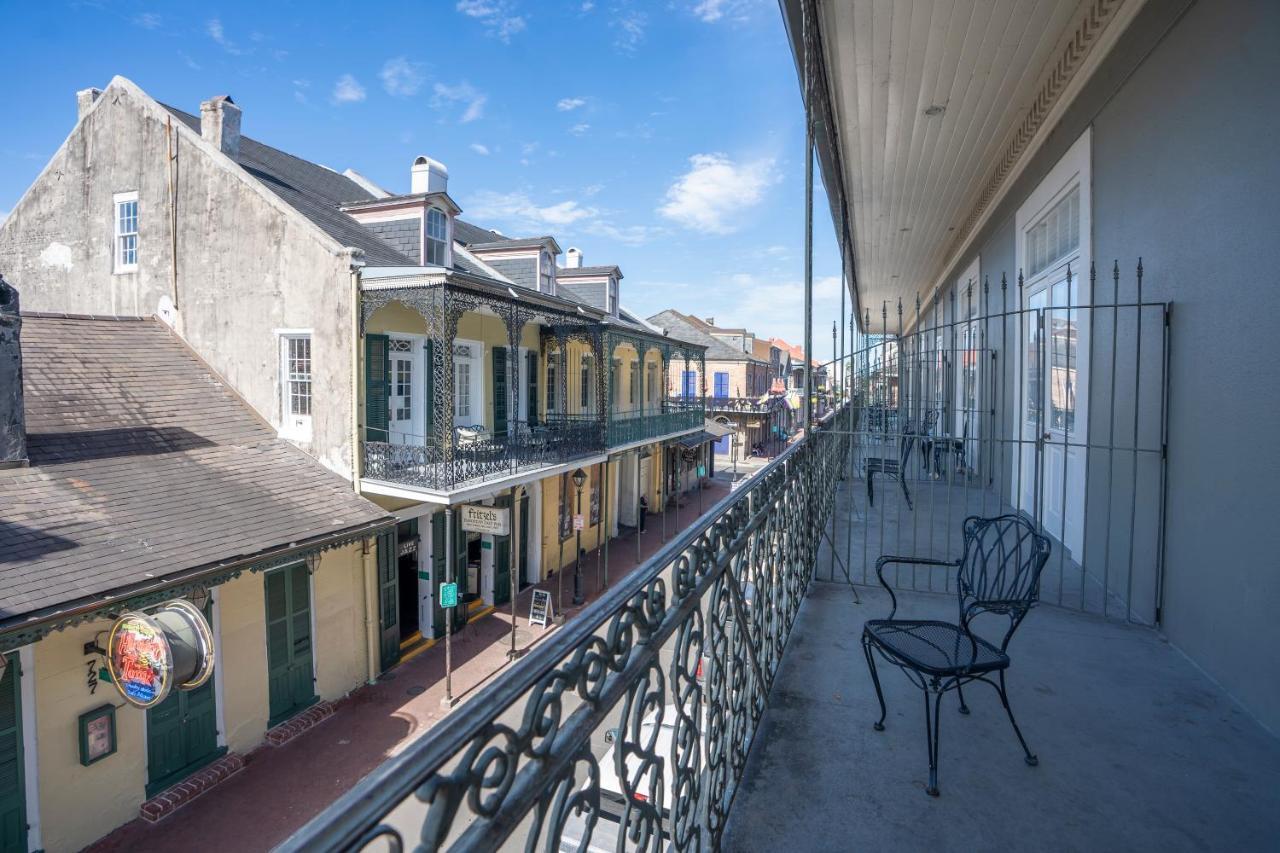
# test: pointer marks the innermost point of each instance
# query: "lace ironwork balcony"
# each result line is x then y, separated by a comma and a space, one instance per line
675, 416
478, 456
635, 718
746, 405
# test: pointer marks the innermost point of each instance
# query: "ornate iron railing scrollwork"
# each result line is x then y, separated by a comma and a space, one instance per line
676, 659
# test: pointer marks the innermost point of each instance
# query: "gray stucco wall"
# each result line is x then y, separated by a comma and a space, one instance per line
1185, 175
404, 235
246, 266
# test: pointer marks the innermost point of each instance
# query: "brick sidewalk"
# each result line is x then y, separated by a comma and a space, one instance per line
281, 788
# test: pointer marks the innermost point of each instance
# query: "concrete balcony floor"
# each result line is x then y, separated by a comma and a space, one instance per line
1138, 749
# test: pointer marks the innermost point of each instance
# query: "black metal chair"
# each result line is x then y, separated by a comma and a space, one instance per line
893, 469
998, 573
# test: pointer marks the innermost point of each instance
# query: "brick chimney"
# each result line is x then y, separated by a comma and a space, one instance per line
220, 124
84, 100
13, 430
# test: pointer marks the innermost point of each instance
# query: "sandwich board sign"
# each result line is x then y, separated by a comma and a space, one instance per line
540, 608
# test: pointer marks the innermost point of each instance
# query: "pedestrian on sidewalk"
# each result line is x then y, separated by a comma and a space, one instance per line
644, 510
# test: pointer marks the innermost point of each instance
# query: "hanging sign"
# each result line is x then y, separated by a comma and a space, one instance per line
485, 519
150, 654
540, 608
407, 546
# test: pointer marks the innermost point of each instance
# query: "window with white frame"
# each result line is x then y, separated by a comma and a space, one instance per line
437, 238
546, 281
553, 360
295, 384
1056, 235
126, 231
462, 406
613, 297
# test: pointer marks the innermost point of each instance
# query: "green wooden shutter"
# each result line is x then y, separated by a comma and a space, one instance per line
532, 358
437, 572
460, 564
290, 677
182, 736
388, 600
499, 391
429, 398
376, 387
13, 803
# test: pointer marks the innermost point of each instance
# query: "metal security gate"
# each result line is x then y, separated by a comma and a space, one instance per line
1003, 401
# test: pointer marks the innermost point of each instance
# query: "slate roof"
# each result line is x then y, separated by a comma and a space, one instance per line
318, 193
144, 464
680, 326
508, 243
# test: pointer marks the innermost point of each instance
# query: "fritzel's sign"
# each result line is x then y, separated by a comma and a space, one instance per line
486, 519
149, 654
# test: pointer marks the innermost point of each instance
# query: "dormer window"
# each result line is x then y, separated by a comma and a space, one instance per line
612, 303
437, 246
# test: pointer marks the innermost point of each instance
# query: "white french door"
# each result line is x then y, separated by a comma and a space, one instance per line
405, 404
1054, 248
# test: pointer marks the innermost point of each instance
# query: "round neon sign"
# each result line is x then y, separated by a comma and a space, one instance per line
150, 654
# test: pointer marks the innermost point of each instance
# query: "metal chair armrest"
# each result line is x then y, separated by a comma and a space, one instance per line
916, 561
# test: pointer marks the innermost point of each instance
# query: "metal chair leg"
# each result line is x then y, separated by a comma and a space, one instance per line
905, 492
1031, 759
871, 491
875, 679
964, 709
932, 725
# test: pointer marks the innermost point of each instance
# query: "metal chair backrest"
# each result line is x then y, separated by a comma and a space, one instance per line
1000, 569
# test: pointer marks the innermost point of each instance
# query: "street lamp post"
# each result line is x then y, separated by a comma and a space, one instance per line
579, 480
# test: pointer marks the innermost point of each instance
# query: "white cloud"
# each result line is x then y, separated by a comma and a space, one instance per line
482, 150
214, 28
588, 6
347, 90
400, 77
147, 20
564, 105
496, 16
462, 93
580, 128
517, 213
714, 189
190, 63
709, 10
630, 29
773, 307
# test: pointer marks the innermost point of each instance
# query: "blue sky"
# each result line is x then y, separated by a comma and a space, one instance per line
665, 137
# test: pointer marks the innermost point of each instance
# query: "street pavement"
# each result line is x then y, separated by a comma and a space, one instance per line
283, 787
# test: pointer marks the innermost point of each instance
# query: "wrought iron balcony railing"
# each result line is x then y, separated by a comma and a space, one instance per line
625, 428
747, 405
635, 718
476, 456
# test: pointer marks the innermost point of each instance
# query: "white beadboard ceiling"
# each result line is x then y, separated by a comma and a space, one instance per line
916, 183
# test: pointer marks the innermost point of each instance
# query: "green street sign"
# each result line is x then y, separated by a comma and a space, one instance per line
448, 595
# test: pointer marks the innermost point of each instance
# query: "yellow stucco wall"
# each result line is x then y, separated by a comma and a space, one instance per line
338, 597
79, 804
591, 534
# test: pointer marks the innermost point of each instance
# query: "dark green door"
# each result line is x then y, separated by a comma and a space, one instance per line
13, 801
499, 391
377, 387
437, 572
182, 734
290, 678
388, 600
